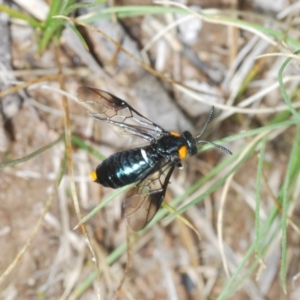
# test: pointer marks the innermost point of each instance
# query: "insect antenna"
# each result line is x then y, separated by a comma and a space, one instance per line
197, 138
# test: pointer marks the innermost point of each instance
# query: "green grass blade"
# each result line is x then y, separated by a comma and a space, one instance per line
53, 26
30, 156
18, 15
75, 6
63, 169
293, 162
102, 204
129, 11
283, 91
51, 29
77, 141
79, 35
258, 194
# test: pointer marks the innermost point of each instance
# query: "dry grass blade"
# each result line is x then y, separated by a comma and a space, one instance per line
29, 83
181, 218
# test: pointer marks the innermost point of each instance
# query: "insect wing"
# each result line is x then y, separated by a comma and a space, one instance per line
143, 201
111, 109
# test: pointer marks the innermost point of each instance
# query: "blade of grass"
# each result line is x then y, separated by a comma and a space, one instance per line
283, 91
54, 10
101, 205
293, 161
287, 182
53, 27
129, 11
258, 195
18, 15
81, 144
19, 87
169, 208
75, 6
31, 155
79, 35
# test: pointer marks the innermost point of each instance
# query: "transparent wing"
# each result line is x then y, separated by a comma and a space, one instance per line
143, 201
111, 109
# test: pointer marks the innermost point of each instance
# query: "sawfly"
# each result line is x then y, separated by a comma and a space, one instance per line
149, 167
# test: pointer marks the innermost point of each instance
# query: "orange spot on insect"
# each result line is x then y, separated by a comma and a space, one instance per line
182, 151
93, 176
175, 133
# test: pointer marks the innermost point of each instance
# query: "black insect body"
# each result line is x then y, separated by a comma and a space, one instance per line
150, 167
133, 165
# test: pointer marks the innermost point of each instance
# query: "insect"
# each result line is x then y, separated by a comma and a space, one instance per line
149, 167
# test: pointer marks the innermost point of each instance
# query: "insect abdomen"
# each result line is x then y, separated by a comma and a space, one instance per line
123, 168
